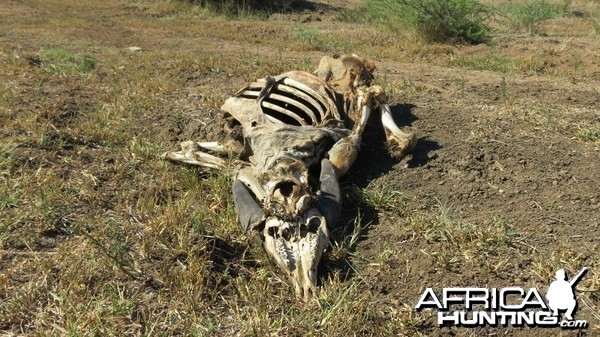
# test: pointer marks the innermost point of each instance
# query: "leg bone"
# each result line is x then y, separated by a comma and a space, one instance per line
343, 153
212, 146
399, 143
190, 154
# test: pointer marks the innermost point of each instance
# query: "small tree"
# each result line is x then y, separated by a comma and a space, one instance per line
436, 20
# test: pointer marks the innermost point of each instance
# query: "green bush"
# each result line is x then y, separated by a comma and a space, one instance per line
526, 15
434, 20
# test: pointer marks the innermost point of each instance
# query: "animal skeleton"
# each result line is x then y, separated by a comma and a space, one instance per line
300, 132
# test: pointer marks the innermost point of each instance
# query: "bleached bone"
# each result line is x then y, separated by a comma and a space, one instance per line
247, 177
212, 146
300, 94
364, 116
274, 120
323, 99
300, 134
285, 112
297, 104
190, 154
405, 142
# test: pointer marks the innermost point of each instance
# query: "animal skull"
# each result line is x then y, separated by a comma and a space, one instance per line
300, 133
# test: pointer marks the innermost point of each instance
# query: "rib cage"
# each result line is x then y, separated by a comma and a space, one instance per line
288, 101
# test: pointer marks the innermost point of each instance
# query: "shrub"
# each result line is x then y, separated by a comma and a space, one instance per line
435, 20
526, 15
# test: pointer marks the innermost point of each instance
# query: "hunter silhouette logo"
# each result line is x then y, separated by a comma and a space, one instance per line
516, 306
561, 295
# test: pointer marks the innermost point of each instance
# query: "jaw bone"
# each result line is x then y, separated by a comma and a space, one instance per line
297, 248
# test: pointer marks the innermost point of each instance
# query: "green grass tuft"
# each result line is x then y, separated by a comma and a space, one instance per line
61, 61
589, 134
488, 62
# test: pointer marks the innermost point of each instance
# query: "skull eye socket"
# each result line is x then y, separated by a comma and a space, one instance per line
313, 225
286, 188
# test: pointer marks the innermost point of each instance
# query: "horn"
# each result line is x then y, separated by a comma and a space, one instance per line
250, 214
330, 200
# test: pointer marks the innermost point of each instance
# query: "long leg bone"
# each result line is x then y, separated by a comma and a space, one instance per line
343, 153
212, 146
190, 154
399, 143
364, 116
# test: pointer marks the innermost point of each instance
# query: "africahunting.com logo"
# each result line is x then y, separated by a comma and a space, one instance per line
477, 307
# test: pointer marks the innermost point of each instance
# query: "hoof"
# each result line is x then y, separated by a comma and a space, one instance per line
399, 147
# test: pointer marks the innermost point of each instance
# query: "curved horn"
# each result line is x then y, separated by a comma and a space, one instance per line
330, 200
250, 214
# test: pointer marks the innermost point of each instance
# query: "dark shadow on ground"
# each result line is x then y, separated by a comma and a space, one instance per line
403, 116
311, 6
295, 7
423, 153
